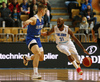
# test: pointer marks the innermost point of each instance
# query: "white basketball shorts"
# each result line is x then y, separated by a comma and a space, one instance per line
68, 48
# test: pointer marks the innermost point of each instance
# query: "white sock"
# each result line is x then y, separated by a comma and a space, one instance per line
75, 64
28, 58
35, 70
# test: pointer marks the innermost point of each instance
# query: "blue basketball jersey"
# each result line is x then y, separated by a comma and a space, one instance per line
34, 30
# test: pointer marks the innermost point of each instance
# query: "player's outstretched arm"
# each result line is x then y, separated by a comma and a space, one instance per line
31, 21
93, 34
77, 41
47, 33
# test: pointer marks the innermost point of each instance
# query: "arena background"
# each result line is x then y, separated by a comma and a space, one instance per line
11, 56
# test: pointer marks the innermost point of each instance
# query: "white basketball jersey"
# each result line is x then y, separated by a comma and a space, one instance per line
61, 36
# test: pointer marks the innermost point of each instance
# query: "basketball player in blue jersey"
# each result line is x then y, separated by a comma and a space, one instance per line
35, 24
64, 43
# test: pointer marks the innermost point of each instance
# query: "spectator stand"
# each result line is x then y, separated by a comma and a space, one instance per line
98, 18
76, 17
23, 18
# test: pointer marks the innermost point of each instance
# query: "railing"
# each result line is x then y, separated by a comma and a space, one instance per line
96, 34
82, 35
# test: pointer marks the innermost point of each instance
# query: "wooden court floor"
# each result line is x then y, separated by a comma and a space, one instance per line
49, 75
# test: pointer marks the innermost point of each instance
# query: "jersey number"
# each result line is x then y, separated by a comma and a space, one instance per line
61, 39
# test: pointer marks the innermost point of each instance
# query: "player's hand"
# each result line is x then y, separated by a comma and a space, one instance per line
86, 52
25, 24
44, 34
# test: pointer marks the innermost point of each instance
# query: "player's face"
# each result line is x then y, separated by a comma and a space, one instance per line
59, 23
44, 11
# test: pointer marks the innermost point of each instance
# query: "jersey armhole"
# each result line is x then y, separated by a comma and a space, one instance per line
55, 28
35, 21
66, 29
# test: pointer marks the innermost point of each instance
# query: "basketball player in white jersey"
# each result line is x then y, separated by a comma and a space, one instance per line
35, 24
64, 43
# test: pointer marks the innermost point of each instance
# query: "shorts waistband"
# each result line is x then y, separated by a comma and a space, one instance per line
36, 36
63, 42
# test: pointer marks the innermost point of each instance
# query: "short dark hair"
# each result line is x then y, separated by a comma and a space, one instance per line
41, 6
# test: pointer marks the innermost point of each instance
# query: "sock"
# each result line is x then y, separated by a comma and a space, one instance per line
75, 64
35, 70
28, 58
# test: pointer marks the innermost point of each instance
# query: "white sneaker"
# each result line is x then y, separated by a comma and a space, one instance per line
25, 62
37, 76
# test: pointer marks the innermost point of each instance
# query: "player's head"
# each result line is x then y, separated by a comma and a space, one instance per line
42, 9
60, 22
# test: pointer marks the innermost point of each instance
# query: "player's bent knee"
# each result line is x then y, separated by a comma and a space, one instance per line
71, 59
37, 53
78, 63
41, 58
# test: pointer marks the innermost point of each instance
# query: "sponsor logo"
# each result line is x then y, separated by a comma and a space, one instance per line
92, 49
95, 59
20, 56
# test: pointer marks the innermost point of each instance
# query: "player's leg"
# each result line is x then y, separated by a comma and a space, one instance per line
41, 50
40, 59
37, 53
75, 55
28, 58
42, 56
64, 49
74, 52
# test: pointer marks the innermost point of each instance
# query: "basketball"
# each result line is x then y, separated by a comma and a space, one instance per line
87, 62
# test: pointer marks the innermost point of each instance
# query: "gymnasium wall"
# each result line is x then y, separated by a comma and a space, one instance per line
11, 56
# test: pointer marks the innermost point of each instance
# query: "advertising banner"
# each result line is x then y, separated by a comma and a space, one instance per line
11, 55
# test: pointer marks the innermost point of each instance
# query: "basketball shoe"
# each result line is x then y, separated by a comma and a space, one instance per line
80, 72
25, 62
36, 76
